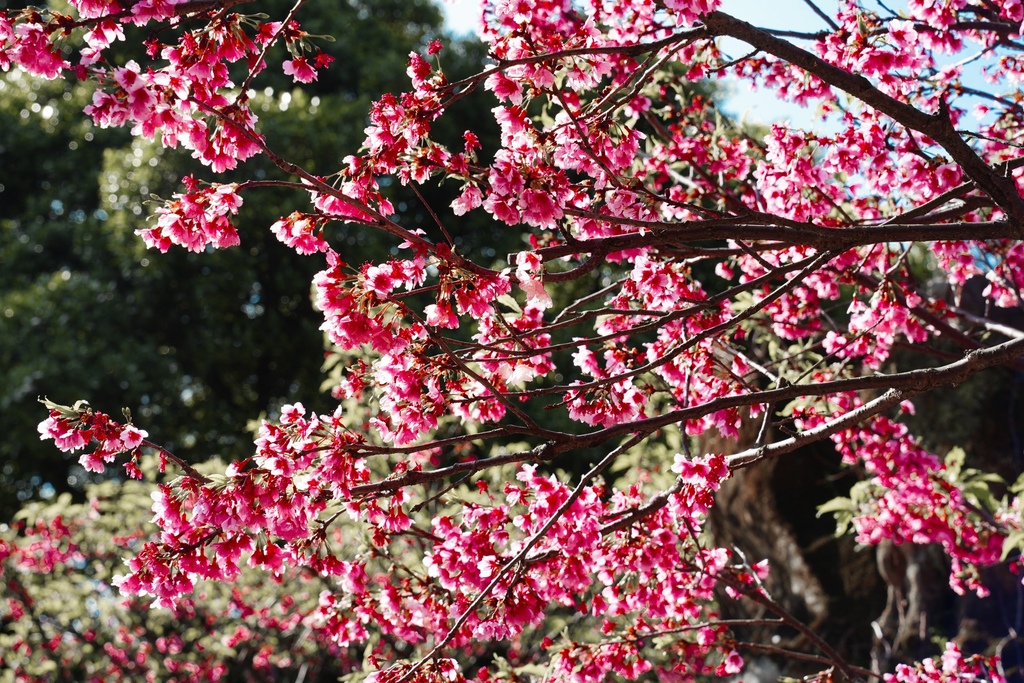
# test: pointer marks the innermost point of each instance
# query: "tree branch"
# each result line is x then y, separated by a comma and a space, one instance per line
936, 126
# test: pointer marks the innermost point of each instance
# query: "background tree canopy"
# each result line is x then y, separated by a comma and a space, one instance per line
195, 343
694, 268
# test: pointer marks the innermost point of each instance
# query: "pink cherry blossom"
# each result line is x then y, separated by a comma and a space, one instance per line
520, 441
300, 70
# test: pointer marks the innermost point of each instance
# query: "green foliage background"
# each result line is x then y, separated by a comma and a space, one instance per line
79, 628
194, 344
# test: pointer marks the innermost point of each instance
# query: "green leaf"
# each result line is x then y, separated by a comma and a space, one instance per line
66, 412
843, 509
955, 462
509, 301
835, 505
980, 494
1014, 541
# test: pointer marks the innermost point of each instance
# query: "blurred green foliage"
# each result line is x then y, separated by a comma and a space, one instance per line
194, 344
63, 618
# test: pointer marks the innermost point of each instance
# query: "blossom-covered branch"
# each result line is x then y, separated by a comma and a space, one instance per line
523, 437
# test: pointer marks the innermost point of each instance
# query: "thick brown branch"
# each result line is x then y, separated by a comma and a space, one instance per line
752, 455
936, 126
910, 383
661, 233
899, 385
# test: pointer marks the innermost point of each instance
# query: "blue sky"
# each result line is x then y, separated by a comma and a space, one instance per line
461, 15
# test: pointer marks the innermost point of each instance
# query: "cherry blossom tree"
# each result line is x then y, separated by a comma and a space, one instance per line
465, 510
65, 622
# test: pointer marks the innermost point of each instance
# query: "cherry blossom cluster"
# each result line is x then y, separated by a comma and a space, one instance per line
301, 232
475, 557
46, 547
678, 270
912, 496
268, 498
188, 98
78, 427
196, 219
952, 666
269, 513
50, 559
299, 466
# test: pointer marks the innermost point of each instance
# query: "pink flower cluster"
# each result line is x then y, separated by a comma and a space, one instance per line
614, 401
269, 512
28, 46
634, 189
196, 219
913, 497
78, 427
261, 512
48, 546
301, 232
952, 667
173, 101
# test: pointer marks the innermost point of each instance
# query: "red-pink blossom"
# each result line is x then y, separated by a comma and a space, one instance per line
300, 70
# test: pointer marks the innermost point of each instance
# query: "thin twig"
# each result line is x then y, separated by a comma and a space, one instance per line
270, 43
522, 554
187, 468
